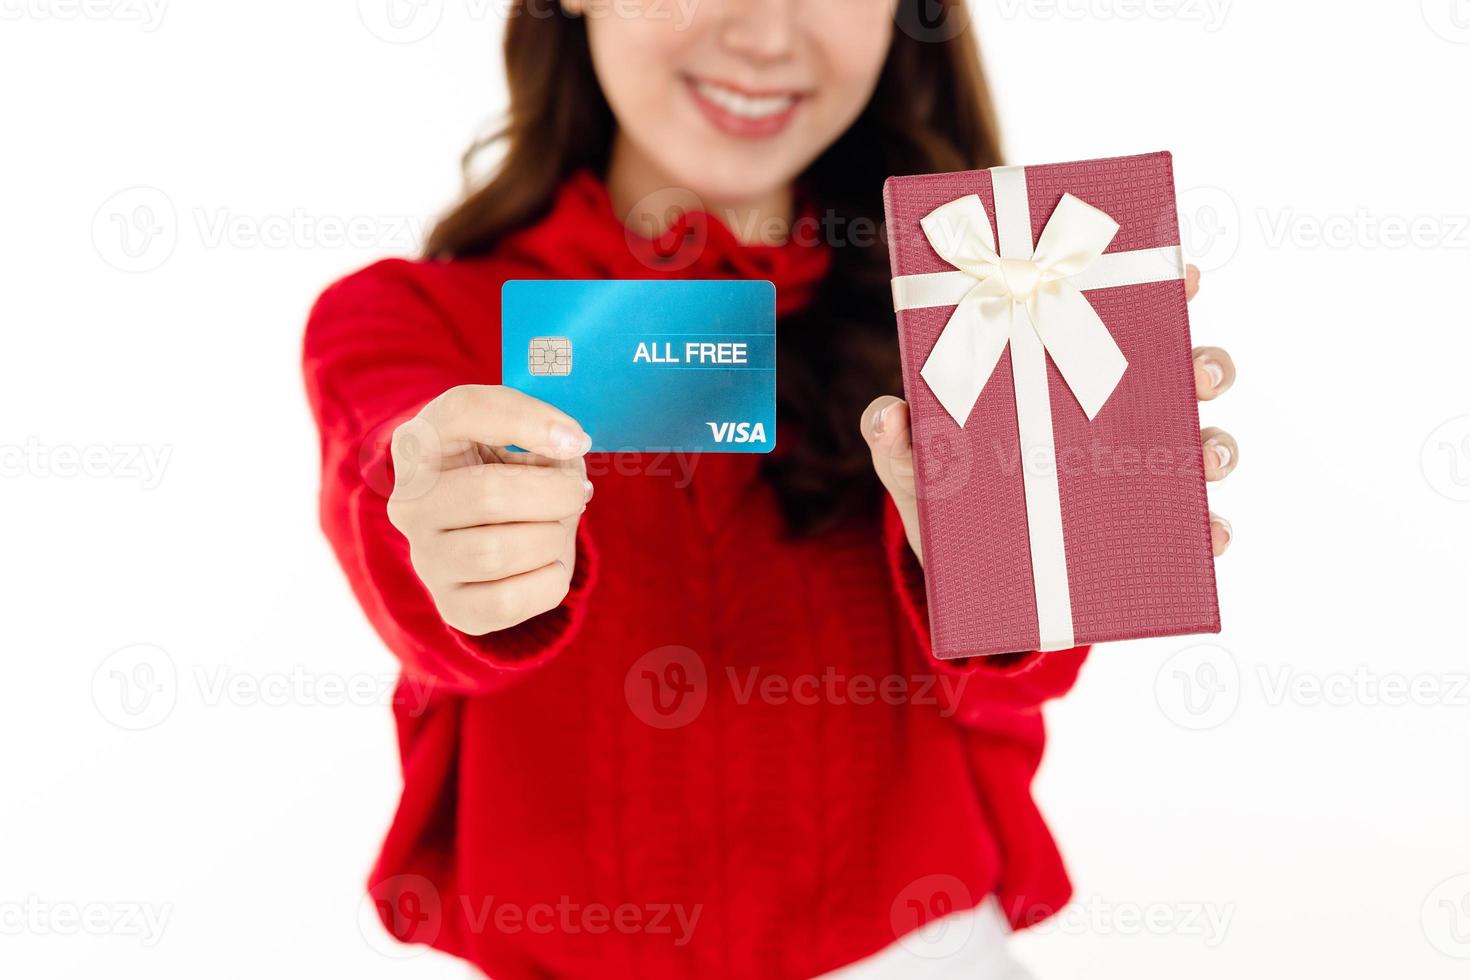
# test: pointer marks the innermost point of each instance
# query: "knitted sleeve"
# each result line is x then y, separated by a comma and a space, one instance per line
1002, 692
376, 350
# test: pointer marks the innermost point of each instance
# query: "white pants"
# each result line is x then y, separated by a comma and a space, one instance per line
969, 945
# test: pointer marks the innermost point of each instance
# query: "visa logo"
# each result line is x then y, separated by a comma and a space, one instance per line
737, 431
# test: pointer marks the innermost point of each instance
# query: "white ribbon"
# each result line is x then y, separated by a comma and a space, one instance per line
1032, 299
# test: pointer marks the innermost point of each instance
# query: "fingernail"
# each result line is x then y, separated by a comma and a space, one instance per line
878, 420
1220, 526
569, 439
586, 491
1213, 371
1223, 456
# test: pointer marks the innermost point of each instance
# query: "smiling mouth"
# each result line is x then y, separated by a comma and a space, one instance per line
740, 112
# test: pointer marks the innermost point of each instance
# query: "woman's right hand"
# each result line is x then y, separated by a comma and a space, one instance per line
492, 533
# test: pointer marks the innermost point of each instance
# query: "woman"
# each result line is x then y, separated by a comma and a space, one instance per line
691, 727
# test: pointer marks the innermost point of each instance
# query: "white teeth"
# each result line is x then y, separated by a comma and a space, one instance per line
746, 106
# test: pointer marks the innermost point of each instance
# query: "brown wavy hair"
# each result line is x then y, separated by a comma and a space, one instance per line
931, 112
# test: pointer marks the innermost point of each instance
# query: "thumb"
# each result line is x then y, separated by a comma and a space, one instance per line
886, 429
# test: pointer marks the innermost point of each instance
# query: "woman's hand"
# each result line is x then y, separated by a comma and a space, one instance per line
491, 533
886, 427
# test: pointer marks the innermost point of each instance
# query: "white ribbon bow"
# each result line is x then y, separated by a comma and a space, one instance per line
1030, 298
1032, 293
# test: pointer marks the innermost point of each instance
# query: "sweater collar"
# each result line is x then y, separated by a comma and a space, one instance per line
583, 236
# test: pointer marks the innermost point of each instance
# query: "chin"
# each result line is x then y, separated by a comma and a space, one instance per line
728, 181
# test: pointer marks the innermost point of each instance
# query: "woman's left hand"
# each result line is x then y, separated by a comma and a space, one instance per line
886, 427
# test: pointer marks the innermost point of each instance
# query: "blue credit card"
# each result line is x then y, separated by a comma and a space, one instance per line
648, 365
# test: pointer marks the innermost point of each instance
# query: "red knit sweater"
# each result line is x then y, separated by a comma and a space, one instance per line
728, 753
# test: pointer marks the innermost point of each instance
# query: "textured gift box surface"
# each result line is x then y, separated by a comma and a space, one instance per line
1131, 480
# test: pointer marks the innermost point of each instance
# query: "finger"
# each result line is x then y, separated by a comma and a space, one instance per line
886, 426
492, 415
887, 430
484, 607
1191, 282
1214, 373
501, 454
1220, 534
493, 551
1220, 451
499, 494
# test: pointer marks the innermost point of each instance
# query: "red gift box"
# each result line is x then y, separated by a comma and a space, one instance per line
1047, 365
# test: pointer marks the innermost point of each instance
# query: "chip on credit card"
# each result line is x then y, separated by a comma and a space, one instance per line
648, 365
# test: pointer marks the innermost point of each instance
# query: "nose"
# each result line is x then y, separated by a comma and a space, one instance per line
761, 30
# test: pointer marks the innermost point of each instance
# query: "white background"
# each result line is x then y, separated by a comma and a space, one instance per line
1288, 800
